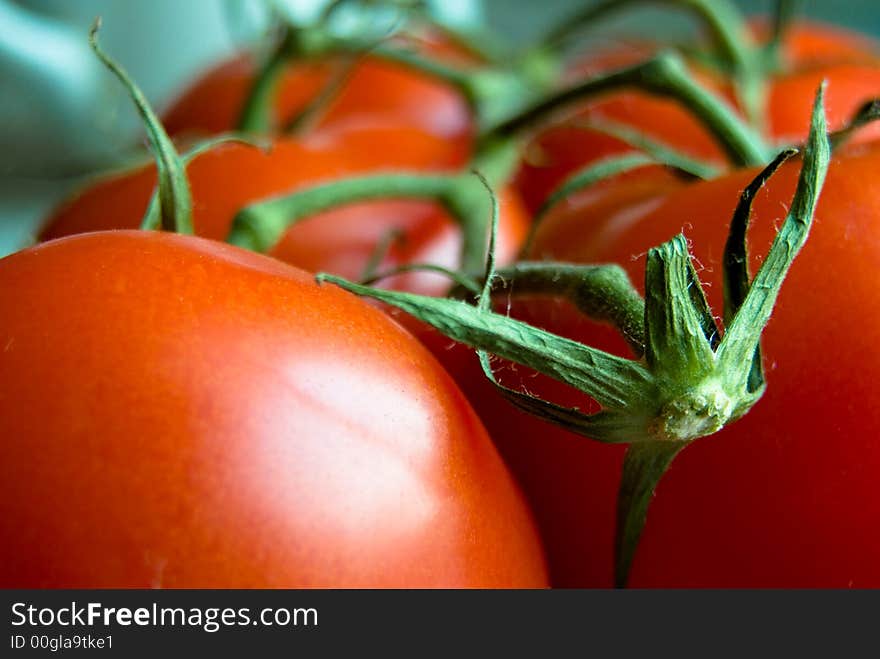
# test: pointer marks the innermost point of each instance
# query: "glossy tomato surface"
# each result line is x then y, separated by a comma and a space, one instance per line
181, 413
232, 176
786, 496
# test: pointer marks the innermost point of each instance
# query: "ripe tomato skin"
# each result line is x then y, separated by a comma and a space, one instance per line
188, 414
375, 90
784, 497
342, 240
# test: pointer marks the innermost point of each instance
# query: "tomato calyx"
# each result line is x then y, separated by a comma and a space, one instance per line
691, 379
153, 216
174, 197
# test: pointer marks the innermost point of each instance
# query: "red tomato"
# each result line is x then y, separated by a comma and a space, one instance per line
786, 496
232, 176
812, 52
182, 413
375, 90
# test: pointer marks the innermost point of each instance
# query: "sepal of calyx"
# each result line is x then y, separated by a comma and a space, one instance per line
691, 379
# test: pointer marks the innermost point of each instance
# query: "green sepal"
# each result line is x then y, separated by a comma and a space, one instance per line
614, 382
610, 427
744, 332
663, 75
677, 331
643, 466
737, 280
259, 226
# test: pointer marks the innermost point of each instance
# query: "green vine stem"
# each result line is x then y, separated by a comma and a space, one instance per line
737, 279
152, 220
309, 115
259, 227
691, 382
601, 292
507, 99
783, 14
175, 200
721, 18
256, 116
725, 24
481, 44
664, 75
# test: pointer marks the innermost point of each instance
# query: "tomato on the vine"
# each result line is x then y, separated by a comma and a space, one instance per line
183, 413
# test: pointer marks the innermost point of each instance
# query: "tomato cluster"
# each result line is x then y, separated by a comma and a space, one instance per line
181, 412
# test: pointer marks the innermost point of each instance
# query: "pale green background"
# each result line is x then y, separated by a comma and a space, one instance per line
45, 145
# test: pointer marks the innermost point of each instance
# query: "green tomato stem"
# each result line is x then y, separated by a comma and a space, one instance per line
722, 19
152, 220
601, 292
259, 227
783, 15
663, 75
175, 200
257, 114
306, 118
742, 336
